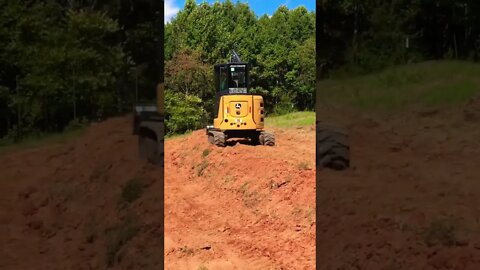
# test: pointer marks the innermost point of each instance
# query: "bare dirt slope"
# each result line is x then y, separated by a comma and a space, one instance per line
412, 200
69, 206
242, 206
92, 204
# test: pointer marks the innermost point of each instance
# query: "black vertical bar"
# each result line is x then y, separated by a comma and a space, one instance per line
160, 63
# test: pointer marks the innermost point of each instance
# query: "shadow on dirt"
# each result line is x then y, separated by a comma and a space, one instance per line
234, 142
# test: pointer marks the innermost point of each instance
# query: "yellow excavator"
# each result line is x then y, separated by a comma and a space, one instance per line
237, 113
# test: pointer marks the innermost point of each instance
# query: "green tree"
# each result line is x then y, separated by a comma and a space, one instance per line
277, 48
183, 112
62, 60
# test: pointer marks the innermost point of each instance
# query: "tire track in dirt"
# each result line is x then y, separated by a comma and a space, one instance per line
240, 207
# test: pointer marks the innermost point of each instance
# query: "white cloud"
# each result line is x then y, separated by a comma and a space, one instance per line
170, 10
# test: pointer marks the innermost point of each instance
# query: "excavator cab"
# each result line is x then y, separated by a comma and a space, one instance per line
231, 78
237, 114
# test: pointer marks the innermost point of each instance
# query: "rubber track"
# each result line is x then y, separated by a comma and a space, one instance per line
268, 138
218, 138
333, 149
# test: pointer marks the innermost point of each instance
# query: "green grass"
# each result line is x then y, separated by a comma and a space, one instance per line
118, 236
36, 141
205, 152
295, 119
132, 190
177, 136
303, 166
440, 232
427, 84
201, 168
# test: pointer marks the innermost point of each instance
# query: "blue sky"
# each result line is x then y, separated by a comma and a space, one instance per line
260, 7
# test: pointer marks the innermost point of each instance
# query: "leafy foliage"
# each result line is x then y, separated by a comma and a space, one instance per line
360, 37
280, 49
183, 112
65, 60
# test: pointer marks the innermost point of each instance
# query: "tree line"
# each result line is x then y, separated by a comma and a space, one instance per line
67, 61
62, 61
357, 37
280, 49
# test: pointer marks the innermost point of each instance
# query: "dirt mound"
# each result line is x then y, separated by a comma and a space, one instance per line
87, 204
242, 206
411, 199
92, 204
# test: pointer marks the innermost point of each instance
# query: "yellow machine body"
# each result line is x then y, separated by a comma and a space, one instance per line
240, 112
237, 114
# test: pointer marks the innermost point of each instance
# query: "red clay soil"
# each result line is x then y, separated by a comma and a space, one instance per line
412, 198
242, 206
410, 201
62, 206
249, 207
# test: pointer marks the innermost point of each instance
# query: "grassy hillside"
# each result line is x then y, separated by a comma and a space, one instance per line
291, 120
427, 84
36, 141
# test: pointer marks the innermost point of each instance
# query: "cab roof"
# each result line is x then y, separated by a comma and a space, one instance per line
231, 63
